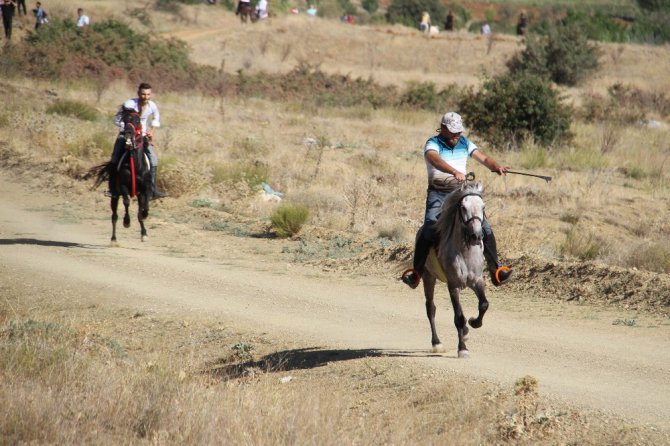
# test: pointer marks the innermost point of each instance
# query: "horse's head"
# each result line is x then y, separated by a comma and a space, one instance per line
471, 211
463, 208
132, 128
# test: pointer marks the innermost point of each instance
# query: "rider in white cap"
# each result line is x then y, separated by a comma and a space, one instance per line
446, 156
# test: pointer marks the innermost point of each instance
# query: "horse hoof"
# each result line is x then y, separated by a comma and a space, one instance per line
113, 243
463, 354
145, 238
474, 323
438, 348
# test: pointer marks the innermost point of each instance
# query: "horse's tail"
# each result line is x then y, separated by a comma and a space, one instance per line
101, 173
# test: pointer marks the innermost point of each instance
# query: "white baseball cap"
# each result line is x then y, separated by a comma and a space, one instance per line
453, 122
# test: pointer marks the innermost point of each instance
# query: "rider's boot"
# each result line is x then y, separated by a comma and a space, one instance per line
424, 240
110, 186
155, 193
499, 274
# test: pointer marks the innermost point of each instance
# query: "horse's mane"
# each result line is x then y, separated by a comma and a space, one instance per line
450, 206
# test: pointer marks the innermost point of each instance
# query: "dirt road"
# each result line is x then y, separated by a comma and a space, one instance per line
576, 352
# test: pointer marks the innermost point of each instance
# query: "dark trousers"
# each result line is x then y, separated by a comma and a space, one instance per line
7, 16
22, 5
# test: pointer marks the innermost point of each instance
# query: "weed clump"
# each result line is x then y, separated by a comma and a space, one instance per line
288, 219
74, 109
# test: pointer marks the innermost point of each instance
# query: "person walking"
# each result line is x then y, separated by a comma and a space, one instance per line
449, 21
82, 19
21, 5
446, 156
424, 23
7, 7
40, 15
143, 105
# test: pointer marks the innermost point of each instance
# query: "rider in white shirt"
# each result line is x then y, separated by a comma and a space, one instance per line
146, 108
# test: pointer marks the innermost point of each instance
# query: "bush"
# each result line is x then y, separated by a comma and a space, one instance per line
370, 6
424, 95
510, 108
288, 219
408, 12
597, 25
564, 56
581, 244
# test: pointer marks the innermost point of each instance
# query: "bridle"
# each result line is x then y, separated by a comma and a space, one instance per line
460, 210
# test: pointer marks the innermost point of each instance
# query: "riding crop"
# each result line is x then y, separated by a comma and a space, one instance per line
545, 178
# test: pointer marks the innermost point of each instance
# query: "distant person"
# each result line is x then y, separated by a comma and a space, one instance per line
21, 6
242, 4
262, 9
82, 19
424, 24
40, 14
312, 11
7, 7
449, 21
522, 25
485, 29
143, 105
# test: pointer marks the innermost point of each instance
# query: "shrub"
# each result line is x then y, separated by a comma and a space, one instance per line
565, 56
581, 244
650, 256
250, 173
288, 219
597, 25
424, 95
510, 108
370, 6
74, 109
408, 12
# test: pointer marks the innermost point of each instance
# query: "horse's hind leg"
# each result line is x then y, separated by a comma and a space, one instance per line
459, 322
483, 306
115, 217
429, 292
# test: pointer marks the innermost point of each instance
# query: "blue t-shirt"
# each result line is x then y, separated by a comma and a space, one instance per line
456, 157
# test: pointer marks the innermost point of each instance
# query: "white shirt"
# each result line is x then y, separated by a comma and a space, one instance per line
149, 110
83, 21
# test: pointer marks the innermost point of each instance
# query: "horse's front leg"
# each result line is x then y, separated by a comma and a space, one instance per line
126, 216
459, 321
115, 216
142, 214
483, 305
429, 292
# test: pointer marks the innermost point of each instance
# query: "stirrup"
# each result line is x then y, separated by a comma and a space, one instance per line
501, 275
411, 278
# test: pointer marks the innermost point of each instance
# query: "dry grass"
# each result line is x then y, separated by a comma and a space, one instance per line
76, 372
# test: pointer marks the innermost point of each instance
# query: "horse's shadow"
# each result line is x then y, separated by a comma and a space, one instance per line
37, 242
300, 359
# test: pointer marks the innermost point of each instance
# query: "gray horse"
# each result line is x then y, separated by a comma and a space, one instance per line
459, 260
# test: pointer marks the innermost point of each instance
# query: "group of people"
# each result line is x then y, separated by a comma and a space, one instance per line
425, 24
9, 7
